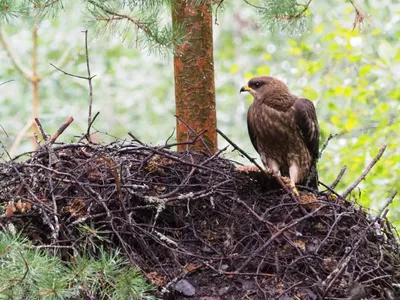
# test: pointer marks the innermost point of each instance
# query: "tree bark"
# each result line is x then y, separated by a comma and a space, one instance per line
194, 75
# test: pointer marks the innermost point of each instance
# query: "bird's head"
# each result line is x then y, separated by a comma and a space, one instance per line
269, 90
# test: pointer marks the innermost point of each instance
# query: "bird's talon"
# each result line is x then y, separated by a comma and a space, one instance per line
269, 171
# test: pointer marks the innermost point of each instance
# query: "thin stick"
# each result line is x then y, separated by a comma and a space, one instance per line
61, 130
90, 85
365, 172
91, 122
42, 132
5, 132
135, 138
6, 82
325, 144
72, 75
338, 177
330, 190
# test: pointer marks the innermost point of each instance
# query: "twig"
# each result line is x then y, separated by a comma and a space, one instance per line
90, 85
216, 11
135, 138
6, 82
43, 133
61, 130
330, 190
56, 230
87, 135
338, 177
255, 6
170, 136
325, 144
5, 132
365, 172
72, 75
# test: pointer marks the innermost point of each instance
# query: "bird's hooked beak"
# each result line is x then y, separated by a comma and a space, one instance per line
246, 88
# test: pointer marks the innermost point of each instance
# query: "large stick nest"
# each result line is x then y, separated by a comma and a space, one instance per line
195, 226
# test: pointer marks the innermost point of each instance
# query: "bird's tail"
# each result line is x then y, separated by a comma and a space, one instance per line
312, 179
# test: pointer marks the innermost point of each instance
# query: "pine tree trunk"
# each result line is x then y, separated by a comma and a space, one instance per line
194, 75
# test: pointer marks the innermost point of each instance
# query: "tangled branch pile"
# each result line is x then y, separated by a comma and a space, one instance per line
197, 227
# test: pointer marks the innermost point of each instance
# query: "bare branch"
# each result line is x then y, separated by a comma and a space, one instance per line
90, 85
365, 172
61, 130
44, 135
325, 144
72, 75
6, 82
340, 175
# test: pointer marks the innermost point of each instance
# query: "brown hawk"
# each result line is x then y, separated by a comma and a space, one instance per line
284, 130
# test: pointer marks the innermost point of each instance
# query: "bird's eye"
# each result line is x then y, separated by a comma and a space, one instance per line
257, 84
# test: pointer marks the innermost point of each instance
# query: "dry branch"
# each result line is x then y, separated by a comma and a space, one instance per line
365, 172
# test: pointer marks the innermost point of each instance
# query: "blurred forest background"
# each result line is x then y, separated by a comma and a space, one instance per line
351, 75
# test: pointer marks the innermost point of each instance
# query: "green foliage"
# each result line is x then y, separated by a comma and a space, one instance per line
30, 273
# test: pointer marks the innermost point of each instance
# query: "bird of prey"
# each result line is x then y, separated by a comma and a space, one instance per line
284, 130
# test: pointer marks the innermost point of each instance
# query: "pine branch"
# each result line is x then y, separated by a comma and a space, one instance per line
284, 15
297, 15
149, 33
10, 10
118, 16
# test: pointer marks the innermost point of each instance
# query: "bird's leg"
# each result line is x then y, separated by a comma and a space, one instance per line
289, 182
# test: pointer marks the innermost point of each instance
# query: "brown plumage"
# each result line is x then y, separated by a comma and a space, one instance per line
284, 130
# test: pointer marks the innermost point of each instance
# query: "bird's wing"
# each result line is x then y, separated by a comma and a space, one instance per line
250, 128
307, 122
